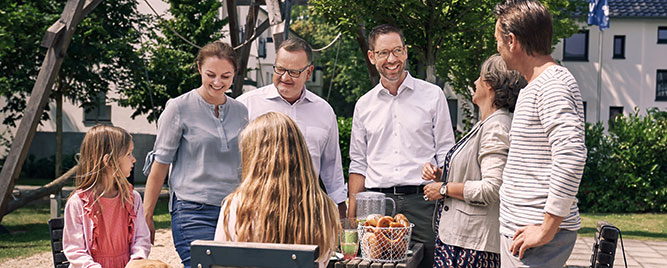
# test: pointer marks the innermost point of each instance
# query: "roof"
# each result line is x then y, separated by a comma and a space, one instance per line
638, 8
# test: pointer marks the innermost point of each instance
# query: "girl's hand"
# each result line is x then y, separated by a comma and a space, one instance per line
432, 191
430, 172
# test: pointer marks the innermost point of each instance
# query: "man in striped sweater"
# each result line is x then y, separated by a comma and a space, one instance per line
538, 206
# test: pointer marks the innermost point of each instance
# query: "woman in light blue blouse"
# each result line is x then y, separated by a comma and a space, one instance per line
198, 136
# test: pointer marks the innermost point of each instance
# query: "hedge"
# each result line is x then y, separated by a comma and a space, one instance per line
626, 169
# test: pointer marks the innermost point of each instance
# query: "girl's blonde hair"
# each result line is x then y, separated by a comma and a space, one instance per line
102, 140
279, 199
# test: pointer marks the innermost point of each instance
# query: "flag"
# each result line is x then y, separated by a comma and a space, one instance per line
598, 13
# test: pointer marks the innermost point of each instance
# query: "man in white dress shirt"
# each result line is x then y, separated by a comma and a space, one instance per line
398, 125
315, 117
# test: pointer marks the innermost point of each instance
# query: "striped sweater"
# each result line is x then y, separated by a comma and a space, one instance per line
547, 154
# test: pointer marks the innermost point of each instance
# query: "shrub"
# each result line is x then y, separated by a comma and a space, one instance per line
344, 130
45, 168
626, 170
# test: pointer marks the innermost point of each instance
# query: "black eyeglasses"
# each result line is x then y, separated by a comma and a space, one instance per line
293, 73
397, 51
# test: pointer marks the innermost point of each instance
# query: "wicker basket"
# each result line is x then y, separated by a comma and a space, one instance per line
384, 244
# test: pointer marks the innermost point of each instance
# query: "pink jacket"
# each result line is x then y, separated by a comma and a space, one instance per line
78, 232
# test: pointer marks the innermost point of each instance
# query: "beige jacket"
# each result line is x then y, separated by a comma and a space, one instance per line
479, 163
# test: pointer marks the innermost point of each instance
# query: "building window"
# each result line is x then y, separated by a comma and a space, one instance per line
241, 34
661, 85
619, 47
614, 111
99, 113
261, 47
662, 35
575, 48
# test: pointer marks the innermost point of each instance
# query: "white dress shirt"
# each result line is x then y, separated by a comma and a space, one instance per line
393, 136
317, 121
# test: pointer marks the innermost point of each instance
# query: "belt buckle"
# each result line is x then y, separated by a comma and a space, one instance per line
395, 193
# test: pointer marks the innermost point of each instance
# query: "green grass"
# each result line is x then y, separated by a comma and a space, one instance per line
29, 229
646, 226
29, 232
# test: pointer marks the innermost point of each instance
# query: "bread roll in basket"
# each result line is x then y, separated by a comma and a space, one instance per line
385, 238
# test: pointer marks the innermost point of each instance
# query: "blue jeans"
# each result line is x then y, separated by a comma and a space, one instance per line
192, 221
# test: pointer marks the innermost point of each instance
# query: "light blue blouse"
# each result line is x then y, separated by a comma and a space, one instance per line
203, 149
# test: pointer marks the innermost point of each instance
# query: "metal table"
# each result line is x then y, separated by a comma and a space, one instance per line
412, 261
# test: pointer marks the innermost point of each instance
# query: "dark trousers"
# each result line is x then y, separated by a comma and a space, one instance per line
420, 213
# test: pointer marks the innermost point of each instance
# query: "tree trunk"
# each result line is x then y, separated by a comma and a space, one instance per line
277, 22
50, 188
244, 52
430, 73
373, 74
233, 22
430, 63
59, 137
59, 133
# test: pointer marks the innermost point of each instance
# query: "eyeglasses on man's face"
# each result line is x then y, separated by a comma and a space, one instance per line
397, 51
293, 73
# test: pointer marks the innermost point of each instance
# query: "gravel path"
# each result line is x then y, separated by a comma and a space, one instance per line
163, 250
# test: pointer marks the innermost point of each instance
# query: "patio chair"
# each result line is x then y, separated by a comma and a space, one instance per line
56, 232
238, 254
604, 247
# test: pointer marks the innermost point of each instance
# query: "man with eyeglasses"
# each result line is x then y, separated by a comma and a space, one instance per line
315, 117
399, 125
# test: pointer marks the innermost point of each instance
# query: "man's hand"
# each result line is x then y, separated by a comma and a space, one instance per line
430, 172
535, 235
432, 191
342, 210
351, 211
151, 227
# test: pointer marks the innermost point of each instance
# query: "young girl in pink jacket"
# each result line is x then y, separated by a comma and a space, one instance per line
104, 223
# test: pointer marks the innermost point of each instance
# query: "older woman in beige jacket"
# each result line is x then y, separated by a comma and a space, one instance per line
467, 213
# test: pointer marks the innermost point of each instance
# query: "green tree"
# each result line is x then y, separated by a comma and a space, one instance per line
343, 61
20, 53
169, 60
447, 40
101, 54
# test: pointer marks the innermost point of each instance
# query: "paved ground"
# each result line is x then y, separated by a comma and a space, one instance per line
638, 253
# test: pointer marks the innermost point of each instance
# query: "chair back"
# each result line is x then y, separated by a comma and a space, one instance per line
207, 254
56, 226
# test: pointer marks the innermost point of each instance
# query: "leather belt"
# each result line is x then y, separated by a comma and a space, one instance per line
400, 190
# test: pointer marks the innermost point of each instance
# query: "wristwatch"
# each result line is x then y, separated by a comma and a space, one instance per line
443, 189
